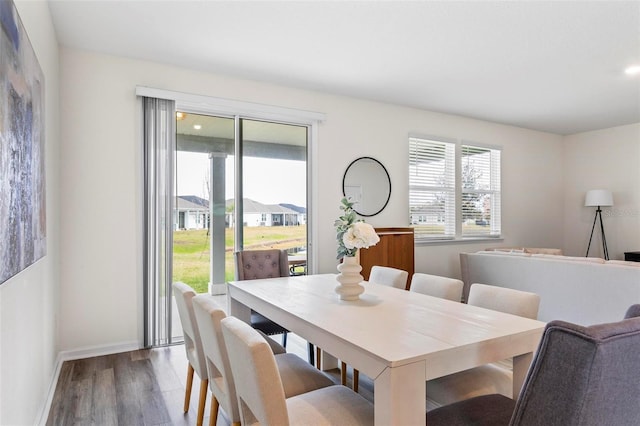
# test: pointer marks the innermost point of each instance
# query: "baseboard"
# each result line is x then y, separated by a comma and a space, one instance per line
87, 352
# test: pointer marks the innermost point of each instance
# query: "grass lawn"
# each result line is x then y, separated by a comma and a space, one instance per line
191, 250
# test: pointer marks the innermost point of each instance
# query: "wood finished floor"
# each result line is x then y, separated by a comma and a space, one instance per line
143, 387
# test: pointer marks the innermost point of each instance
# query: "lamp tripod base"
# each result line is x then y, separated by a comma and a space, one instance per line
605, 250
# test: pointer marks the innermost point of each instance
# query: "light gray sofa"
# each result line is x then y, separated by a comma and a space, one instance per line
581, 290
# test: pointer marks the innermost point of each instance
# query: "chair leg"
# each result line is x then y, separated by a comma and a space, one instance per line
284, 340
356, 380
319, 358
213, 413
187, 392
204, 385
343, 374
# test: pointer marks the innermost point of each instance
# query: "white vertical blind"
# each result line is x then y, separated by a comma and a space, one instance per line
432, 188
159, 152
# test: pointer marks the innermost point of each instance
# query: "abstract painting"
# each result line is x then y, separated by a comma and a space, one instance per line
22, 175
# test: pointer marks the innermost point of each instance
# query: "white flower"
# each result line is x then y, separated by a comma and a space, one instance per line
360, 235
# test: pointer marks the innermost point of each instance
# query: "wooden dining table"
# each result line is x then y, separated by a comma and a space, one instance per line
399, 339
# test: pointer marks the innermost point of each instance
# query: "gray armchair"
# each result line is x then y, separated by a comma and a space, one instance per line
579, 376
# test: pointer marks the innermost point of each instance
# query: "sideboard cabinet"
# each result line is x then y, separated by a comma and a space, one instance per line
395, 250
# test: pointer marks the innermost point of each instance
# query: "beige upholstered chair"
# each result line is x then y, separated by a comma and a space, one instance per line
491, 378
297, 375
433, 285
193, 345
261, 395
389, 276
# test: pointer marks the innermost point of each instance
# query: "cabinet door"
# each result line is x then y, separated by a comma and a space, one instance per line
395, 250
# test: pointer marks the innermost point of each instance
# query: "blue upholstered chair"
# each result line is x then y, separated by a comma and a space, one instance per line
580, 376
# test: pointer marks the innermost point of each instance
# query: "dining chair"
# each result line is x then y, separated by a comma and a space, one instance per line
580, 376
184, 295
297, 375
436, 286
261, 395
386, 275
258, 264
496, 377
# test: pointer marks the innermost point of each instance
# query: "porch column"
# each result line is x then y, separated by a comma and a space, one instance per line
217, 207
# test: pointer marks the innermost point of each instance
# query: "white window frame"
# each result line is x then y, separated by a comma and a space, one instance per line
453, 227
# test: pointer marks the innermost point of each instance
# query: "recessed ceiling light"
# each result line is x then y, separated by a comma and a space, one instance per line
632, 70
197, 126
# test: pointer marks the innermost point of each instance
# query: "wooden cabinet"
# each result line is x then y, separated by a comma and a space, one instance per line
395, 249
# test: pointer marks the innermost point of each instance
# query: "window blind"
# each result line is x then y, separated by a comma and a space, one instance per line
432, 188
480, 188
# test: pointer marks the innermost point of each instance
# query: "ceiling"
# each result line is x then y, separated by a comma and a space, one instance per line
554, 66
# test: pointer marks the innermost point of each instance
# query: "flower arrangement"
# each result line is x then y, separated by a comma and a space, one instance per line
352, 234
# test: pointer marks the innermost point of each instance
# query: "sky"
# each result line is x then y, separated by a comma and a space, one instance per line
267, 181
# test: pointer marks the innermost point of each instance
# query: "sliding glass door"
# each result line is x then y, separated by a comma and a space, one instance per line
274, 187
240, 184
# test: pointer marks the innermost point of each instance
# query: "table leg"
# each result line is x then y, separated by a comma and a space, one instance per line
521, 365
400, 395
239, 310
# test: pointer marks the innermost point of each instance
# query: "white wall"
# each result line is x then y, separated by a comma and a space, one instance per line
101, 180
28, 301
603, 159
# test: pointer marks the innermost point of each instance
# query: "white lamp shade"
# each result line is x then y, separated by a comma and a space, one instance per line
598, 197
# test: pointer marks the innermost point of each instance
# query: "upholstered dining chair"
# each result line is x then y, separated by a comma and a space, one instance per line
436, 286
260, 392
580, 376
184, 295
496, 377
258, 264
386, 275
297, 375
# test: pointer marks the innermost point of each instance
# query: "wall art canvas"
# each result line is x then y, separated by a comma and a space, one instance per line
22, 175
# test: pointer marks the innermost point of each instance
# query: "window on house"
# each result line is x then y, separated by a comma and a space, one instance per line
454, 189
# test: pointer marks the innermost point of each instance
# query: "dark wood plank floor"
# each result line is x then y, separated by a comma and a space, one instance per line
144, 387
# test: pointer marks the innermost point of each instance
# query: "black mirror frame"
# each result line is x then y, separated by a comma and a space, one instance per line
388, 179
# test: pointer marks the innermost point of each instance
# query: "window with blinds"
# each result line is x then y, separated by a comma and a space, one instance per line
480, 191
432, 188
454, 189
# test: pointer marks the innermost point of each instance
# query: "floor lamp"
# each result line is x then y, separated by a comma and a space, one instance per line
598, 198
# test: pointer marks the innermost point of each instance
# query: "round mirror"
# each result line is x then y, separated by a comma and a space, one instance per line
367, 183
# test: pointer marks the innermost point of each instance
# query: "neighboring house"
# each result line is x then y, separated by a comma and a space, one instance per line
192, 212
258, 214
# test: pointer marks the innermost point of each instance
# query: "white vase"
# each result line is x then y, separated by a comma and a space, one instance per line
349, 278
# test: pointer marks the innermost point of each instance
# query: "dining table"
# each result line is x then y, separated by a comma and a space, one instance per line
398, 338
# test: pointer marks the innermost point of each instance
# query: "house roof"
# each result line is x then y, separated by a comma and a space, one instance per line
252, 206
191, 202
